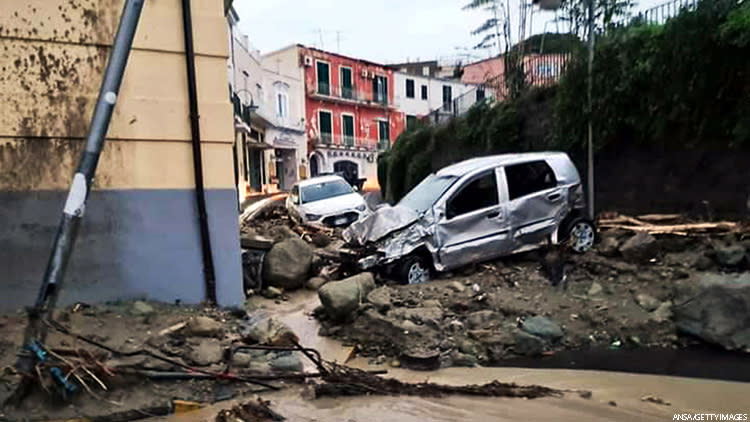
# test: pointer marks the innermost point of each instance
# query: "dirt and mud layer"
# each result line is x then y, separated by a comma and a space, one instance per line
623, 295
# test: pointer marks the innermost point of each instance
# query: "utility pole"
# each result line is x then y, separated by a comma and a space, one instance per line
589, 90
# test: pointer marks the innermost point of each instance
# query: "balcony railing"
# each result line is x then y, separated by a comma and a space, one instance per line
345, 141
351, 93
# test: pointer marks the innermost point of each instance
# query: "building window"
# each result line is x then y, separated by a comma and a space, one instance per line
447, 98
425, 70
347, 87
325, 122
347, 129
324, 78
380, 89
424, 92
411, 122
282, 104
410, 88
480, 94
384, 135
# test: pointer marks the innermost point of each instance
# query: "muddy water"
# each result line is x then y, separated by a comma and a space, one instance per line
686, 395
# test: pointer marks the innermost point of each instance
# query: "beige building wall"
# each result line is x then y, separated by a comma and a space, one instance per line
52, 59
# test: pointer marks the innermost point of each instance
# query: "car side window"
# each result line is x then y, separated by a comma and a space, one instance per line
477, 194
527, 178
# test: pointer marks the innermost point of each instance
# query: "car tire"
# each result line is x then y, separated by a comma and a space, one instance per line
580, 233
413, 270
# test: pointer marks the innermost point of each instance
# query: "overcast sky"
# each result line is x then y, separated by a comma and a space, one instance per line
385, 31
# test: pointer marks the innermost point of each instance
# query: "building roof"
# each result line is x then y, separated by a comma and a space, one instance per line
368, 62
480, 163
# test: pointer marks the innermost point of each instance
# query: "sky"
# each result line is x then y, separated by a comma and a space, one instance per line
385, 31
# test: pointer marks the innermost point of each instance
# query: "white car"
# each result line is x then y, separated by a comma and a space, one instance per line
326, 200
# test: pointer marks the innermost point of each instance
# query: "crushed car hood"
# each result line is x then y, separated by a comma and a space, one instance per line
379, 224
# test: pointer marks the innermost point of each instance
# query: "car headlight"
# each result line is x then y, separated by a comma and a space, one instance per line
361, 208
312, 217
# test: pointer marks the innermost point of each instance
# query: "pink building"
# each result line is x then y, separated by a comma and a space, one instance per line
540, 69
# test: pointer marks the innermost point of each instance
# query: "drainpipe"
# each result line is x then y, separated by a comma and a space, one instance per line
200, 194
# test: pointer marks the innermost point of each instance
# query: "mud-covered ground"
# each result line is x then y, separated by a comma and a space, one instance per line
190, 336
489, 312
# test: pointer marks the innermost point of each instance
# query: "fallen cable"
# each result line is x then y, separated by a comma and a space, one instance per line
216, 375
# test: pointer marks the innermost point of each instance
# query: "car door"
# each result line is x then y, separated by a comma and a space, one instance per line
472, 225
535, 201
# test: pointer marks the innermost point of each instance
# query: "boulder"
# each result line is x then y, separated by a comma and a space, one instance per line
281, 233
717, 310
730, 256
341, 298
647, 302
141, 308
268, 331
380, 298
271, 292
662, 313
462, 359
483, 319
206, 352
639, 248
287, 264
608, 246
595, 289
202, 326
528, 344
315, 283
286, 363
456, 286
421, 315
320, 240
543, 327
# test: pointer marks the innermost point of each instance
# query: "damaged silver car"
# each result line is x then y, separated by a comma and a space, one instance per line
473, 211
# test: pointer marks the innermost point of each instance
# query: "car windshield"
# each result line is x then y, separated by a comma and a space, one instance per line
427, 192
324, 190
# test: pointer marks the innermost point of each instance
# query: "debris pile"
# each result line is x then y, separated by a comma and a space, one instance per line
252, 411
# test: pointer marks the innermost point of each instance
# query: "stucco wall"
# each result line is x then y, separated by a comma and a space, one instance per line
417, 106
138, 237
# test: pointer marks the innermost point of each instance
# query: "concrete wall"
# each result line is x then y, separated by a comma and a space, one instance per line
139, 237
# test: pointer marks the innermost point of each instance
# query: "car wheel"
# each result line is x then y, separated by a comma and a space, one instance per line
581, 235
414, 270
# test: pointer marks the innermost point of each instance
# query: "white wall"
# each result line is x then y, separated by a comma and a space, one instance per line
417, 106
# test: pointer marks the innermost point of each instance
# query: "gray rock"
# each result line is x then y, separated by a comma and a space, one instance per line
483, 319
287, 264
462, 359
380, 298
730, 256
206, 352
718, 311
142, 308
543, 327
268, 331
639, 248
703, 263
202, 326
647, 302
281, 233
286, 363
608, 246
662, 313
432, 303
315, 283
469, 347
340, 298
421, 315
528, 344
271, 292
456, 286
595, 289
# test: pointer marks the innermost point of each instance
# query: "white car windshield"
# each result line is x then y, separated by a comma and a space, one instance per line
427, 192
324, 190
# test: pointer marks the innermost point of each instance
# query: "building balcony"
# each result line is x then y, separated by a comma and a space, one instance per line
327, 140
348, 95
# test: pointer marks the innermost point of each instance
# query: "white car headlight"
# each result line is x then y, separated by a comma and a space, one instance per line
361, 208
312, 217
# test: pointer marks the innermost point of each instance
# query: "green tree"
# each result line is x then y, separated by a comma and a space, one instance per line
490, 30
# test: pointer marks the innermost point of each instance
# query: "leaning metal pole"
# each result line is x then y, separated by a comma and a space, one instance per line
82, 180
589, 88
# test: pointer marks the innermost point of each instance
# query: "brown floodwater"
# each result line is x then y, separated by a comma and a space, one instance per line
625, 390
